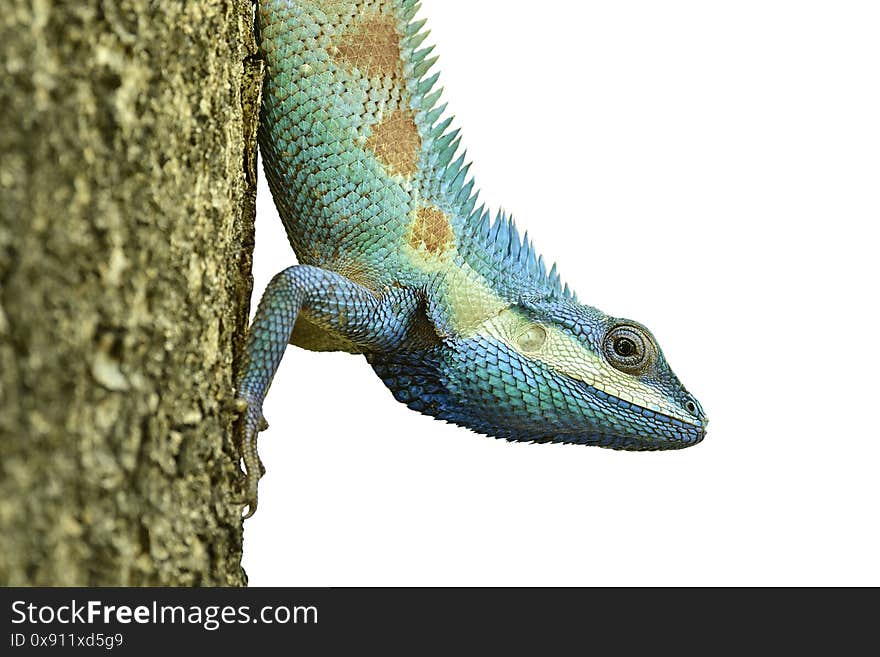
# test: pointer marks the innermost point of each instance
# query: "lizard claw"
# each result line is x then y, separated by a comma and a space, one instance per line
237, 405
253, 423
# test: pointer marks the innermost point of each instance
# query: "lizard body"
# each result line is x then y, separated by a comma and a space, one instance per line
454, 310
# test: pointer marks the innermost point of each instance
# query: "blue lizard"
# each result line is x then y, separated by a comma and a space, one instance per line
455, 311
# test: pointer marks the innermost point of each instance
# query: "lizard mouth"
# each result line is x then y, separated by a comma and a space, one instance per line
654, 430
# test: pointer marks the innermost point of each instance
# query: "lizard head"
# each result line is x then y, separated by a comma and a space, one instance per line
585, 377
552, 370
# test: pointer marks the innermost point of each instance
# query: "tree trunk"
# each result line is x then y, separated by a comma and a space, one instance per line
127, 190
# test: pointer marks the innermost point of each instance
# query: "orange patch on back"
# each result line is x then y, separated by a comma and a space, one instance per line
396, 143
373, 46
431, 229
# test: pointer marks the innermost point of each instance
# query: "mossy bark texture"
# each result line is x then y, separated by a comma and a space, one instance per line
127, 196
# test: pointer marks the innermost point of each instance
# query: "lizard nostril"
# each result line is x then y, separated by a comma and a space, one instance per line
692, 407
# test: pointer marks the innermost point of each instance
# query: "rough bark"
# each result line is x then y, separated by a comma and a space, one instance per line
127, 164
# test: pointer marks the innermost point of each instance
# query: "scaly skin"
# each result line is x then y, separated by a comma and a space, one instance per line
454, 311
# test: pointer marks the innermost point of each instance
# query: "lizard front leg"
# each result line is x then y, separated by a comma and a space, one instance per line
373, 321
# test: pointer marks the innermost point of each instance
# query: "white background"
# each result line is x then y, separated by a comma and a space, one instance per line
710, 169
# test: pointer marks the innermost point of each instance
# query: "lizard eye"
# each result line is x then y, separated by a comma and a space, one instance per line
629, 349
532, 338
624, 347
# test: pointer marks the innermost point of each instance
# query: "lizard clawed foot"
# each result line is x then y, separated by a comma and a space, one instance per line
252, 424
